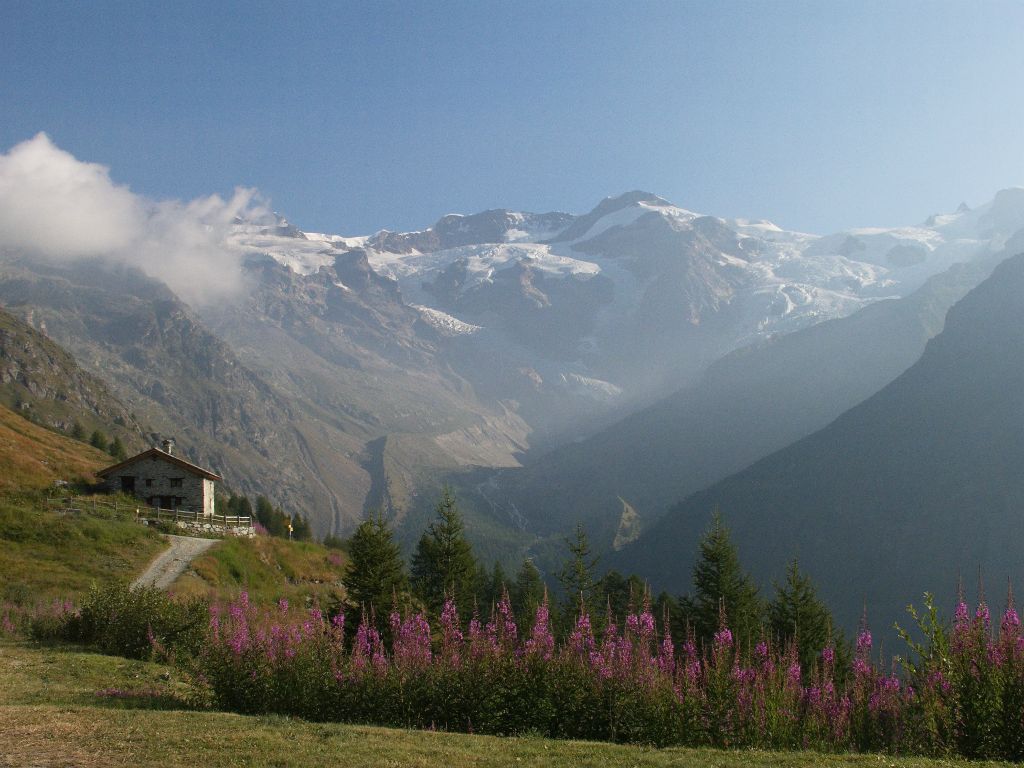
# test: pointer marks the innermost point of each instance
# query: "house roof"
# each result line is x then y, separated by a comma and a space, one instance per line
156, 453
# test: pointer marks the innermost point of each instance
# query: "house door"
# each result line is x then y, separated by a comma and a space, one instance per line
167, 502
128, 484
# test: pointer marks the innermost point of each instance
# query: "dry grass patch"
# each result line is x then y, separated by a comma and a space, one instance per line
35, 457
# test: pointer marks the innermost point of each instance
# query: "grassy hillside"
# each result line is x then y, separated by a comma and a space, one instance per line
53, 716
45, 555
32, 457
268, 568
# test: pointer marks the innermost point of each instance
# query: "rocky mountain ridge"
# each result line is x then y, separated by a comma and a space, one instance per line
357, 372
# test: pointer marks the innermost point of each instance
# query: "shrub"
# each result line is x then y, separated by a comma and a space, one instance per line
132, 622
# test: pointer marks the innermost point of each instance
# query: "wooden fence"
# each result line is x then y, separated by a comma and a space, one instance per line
76, 504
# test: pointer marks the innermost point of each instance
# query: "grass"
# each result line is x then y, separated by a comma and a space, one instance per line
52, 716
269, 569
35, 457
46, 555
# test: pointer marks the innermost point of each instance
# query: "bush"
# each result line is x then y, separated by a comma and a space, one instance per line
132, 622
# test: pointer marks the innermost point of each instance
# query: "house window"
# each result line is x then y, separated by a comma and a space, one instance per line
176, 482
128, 484
149, 482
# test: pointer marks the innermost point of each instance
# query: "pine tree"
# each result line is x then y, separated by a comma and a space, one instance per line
274, 520
526, 594
98, 440
244, 507
443, 564
720, 583
490, 586
620, 593
577, 577
117, 450
796, 614
77, 431
301, 529
376, 573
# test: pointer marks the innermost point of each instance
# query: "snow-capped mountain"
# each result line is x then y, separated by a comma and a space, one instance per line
380, 364
638, 295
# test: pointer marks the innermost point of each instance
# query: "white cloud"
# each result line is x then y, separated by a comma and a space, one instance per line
55, 206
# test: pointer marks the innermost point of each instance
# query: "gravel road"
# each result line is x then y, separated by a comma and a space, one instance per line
169, 565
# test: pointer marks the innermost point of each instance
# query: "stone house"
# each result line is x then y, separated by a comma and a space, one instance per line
164, 480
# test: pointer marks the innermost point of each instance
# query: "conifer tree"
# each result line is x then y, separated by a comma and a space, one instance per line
443, 564
796, 614
622, 594
98, 440
301, 529
577, 577
274, 520
720, 584
526, 594
244, 507
117, 450
490, 586
78, 431
376, 573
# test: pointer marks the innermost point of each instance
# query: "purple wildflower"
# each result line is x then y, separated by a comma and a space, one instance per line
723, 638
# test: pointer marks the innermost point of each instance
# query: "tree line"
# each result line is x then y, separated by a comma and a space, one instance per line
443, 565
273, 520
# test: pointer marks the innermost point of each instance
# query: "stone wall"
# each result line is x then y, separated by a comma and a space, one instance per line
153, 478
214, 529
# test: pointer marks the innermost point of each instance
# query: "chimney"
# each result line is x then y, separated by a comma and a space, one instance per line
169, 445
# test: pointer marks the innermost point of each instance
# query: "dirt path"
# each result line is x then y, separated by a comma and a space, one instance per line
170, 564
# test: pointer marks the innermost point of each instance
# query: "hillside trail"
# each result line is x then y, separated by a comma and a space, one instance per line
171, 563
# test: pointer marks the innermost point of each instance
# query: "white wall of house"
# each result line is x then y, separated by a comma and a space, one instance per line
208, 497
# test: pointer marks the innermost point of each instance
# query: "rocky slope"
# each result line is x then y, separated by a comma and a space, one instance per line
354, 372
45, 384
753, 401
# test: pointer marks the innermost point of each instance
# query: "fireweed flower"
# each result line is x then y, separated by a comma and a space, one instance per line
633, 624
646, 625
581, 640
864, 641
411, 641
666, 653
761, 651
793, 674
1010, 624
451, 633
541, 642
505, 622
723, 638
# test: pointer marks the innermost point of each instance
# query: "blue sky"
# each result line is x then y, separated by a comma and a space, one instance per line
356, 117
